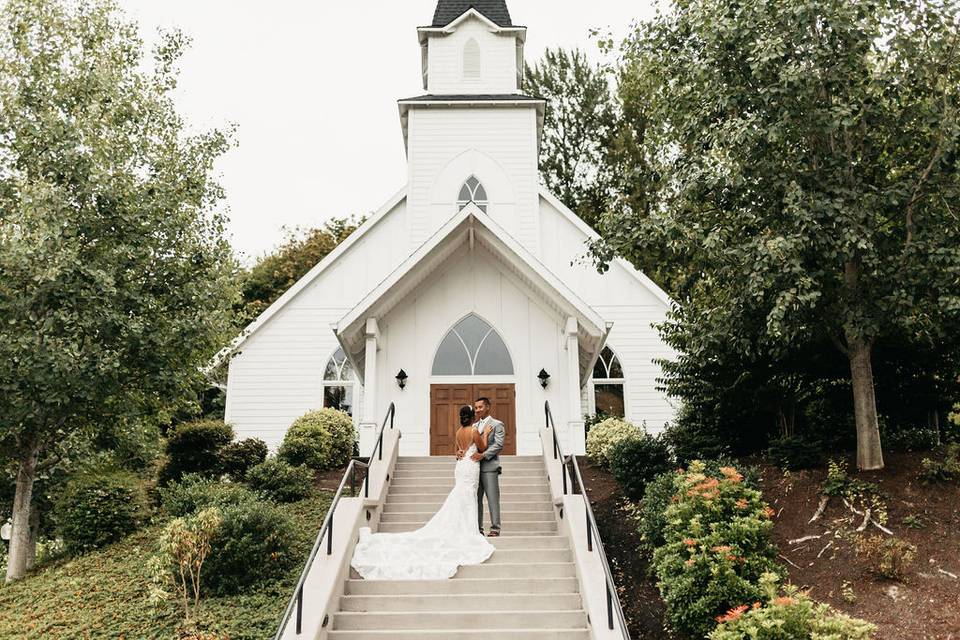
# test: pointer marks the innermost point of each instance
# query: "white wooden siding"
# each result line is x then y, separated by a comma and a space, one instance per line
498, 61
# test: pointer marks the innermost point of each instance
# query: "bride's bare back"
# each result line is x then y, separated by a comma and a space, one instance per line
468, 435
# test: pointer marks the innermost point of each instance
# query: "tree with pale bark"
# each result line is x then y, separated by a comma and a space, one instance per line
806, 163
116, 280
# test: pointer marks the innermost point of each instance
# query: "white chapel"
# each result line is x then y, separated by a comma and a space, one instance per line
465, 283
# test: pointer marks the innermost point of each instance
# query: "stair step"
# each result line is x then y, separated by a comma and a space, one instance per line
438, 602
448, 481
508, 527
473, 586
531, 541
518, 570
507, 516
521, 556
453, 620
460, 634
505, 460
448, 466
405, 473
431, 507
540, 491
406, 496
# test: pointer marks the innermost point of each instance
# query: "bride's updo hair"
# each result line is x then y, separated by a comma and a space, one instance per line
466, 415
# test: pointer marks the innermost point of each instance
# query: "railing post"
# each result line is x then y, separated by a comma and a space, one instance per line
393, 412
563, 472
353, 480
589, 530
300, 610
330, 535
609, 607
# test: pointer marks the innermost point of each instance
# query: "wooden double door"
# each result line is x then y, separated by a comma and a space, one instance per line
445, 403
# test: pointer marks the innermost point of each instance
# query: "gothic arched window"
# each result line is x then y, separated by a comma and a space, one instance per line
472, 348
607, 384
471, 60
472, 191
339, 381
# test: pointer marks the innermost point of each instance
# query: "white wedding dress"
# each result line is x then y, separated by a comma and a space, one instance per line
448, 541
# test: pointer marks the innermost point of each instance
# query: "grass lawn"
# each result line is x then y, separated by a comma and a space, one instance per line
105, 594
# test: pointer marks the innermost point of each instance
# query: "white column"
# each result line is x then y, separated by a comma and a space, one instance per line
575, 428
369, 420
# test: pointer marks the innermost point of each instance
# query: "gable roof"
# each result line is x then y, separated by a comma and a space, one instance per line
466, 227
494, 10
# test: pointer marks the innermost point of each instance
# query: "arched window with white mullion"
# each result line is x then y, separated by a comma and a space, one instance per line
472, 191
472, 348
607, 385
339, 383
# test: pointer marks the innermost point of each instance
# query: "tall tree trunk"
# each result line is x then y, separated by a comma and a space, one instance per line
34, 529
23, 498
869, 451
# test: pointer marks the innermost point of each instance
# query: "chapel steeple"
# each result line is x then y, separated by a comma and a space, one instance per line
494, 10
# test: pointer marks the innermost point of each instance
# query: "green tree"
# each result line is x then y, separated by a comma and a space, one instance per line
274, 273
807, 155
577, 129
117, 282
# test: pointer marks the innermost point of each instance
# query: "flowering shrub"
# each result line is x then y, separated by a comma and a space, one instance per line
717, 546
792, 616
320, 440
607, 434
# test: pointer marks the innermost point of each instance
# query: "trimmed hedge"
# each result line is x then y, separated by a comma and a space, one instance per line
636, 461
194, 492
98, 508
194, 447
237, 458
279, 480
320, 440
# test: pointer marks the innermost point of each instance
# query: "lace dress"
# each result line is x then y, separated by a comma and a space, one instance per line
435, 551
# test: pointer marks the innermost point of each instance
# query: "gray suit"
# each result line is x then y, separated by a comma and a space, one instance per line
490, 476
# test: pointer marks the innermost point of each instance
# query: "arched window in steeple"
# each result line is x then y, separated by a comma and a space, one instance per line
471, 60
472, 191
472, 348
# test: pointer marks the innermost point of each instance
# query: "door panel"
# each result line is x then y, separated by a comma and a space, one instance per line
445, 403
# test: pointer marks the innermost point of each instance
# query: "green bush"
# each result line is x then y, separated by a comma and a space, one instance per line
320, 440
888, 557
237, 458
98, 508
690, 441
279, 480
253, 544
636, 461
194, 492
605, 435
194, 447
792, 616
946, 469
652, 515
718, 544
794, 452
909, 438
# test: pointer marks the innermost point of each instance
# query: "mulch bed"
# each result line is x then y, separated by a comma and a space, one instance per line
925, 606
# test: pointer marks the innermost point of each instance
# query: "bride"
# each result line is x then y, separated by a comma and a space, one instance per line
449, 540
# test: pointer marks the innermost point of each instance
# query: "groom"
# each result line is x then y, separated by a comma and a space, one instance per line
489, 465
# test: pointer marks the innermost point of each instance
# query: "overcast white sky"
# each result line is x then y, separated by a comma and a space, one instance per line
312, 87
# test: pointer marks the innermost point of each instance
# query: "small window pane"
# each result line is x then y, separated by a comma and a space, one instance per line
609, 399
480, 194
451, 359
493, 357
615, 371
464, 194
600, 368
340, 398
473, 330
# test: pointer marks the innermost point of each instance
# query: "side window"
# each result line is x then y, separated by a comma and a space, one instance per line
471, 60
339, 381
607, 384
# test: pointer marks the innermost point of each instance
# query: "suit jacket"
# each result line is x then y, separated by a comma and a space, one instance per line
491, 457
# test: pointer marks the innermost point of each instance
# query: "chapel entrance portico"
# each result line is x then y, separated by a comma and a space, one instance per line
471, 313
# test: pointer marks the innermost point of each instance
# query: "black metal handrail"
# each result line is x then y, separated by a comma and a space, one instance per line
613, 600
296, 601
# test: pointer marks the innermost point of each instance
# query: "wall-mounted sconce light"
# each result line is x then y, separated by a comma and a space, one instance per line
544, 378
402, 379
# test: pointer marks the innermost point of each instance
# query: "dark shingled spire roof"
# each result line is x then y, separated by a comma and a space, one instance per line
494, 10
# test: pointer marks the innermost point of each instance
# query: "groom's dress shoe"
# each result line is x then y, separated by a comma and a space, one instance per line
493, 533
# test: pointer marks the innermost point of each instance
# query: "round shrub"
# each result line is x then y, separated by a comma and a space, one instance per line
194, 447
253, 544
237, 458
793, 453
652, 516
691, 439
604, 435
717, 546
320, 440
791, 616
636, 461
194, 492
279, 480
98, 508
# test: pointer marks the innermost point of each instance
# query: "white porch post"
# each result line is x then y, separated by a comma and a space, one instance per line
368, 421
575, 427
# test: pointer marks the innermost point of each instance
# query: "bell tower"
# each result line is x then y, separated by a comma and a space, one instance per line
473, 136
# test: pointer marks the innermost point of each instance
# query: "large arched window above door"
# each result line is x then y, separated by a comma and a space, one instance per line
607, 385
472, 191
472, 348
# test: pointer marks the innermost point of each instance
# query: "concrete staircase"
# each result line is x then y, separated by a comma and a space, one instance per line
528, 589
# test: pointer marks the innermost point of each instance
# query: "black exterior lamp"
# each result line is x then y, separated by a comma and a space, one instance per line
544, 378
402, 379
